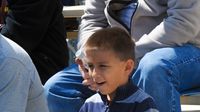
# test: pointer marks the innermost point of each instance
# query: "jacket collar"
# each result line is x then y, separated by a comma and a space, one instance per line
122, 92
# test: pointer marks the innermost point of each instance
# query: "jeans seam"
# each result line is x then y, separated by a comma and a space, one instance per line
171, 68
173, 102
196, 59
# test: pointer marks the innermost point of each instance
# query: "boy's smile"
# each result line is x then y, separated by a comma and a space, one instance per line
106, 69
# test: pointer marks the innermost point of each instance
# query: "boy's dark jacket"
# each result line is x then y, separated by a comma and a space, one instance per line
37, 26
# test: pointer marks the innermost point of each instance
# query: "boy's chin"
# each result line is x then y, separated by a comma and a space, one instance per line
107, 93
103, 92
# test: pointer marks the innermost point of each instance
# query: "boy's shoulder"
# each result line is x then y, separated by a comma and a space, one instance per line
138, 100
135, 95
138, 96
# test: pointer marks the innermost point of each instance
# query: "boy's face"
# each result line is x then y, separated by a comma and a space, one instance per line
106, 69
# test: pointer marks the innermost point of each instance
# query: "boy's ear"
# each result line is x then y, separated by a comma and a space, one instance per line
129, 66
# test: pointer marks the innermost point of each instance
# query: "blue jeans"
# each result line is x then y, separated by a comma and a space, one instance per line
164, 73
65, 92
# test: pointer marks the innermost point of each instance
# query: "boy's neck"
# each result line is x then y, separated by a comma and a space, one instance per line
111, 96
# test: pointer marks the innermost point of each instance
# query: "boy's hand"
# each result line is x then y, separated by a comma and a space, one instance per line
87, 80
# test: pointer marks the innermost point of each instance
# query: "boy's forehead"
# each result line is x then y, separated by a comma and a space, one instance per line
96, 50
93, 51
102, 54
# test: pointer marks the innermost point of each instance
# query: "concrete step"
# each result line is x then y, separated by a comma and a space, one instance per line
190, 108
192, 100
190, 103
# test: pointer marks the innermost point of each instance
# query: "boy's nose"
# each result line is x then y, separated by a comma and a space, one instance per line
95, 74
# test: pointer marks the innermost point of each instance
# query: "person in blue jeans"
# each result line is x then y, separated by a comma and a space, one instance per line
167, 36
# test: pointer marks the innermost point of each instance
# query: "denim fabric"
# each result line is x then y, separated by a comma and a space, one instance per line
167, 73
164, 73
65, 92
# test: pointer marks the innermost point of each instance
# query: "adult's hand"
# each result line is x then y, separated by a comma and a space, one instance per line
87, 79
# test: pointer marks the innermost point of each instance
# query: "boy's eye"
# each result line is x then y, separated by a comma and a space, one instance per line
103, 66
90, 66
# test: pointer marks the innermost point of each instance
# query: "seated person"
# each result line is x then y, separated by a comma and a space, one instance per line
38, 27
108, 56
167, 38
20, 87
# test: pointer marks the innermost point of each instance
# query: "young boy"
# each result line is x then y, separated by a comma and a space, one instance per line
109, 57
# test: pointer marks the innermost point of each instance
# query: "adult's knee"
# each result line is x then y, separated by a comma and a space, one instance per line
152, 70
67, 83
65, 90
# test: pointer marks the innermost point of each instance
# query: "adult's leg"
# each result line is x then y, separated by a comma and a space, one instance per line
65, 92
167, 72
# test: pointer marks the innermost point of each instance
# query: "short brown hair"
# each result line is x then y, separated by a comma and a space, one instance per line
115, 39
